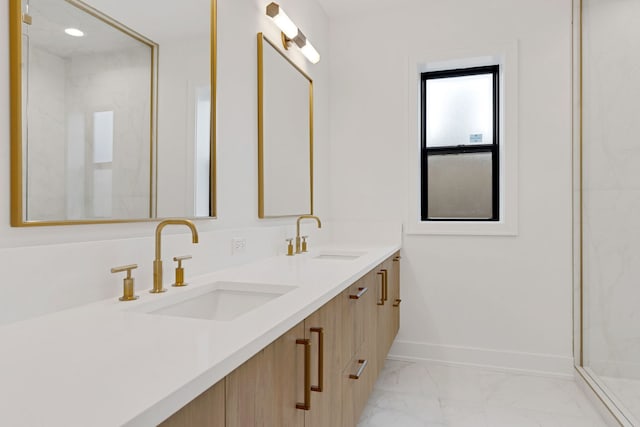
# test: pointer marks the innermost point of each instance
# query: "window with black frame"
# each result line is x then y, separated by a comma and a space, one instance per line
460, 141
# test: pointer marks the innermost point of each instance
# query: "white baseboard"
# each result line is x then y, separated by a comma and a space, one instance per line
531, 363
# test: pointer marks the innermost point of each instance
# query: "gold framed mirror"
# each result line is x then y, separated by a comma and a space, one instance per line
285, 135
113, 108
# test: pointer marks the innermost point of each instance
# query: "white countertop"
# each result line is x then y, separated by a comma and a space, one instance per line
105, 364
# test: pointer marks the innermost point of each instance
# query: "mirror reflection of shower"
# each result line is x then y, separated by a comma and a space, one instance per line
202, 159
87, 108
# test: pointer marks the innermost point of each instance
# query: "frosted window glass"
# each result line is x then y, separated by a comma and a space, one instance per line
103, 137
460, 110
460, 186
203, 152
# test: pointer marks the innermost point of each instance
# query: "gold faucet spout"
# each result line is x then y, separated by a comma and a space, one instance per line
157, 262
300, 218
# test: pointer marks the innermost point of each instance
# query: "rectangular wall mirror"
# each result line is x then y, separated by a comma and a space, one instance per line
112, 110
285, 135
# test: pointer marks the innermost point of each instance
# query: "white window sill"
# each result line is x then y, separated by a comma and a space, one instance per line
461, 228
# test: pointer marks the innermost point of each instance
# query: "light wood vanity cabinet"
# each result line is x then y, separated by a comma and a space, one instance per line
360, 372
394, 292
330, 362
264, 390
206, 410
388, 305
326, 364
273, 389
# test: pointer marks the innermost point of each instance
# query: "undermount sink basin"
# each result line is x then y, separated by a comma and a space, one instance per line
222, 301
339, 255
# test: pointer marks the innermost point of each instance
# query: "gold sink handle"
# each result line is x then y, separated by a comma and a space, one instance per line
180, 270
127, 291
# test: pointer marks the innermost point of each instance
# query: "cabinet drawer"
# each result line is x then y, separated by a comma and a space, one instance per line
357, 302
358, 379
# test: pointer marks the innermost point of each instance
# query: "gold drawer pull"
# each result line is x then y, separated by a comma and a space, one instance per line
385, 279
382, 298
320, 332
363, 364
359, 295
397, 303
307, 375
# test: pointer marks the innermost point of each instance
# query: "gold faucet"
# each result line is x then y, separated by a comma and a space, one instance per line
300, 218
157, 263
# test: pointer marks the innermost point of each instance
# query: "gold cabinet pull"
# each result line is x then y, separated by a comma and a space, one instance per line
320, 332
397, 259
363, 364
307, 374
128, 293
381, 302
397, 303
361, 292
385, 286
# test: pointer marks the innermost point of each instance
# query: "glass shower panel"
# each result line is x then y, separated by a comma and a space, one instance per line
611, 199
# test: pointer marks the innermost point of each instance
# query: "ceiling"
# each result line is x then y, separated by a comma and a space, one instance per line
337, 8
161, 22
343, 7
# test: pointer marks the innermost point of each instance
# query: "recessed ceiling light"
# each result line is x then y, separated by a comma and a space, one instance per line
74, 32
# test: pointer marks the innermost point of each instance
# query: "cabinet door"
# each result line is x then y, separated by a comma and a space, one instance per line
394, 292
265, 390
383, 314
324, 329
369, 349
206, 410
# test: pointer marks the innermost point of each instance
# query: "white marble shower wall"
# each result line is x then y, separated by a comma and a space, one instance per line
45, 139
611, 187
116, 81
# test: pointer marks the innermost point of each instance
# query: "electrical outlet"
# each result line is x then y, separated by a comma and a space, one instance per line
238, 245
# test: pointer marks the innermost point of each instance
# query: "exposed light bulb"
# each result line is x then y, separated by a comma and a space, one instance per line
310, 52
292, 33
74, 32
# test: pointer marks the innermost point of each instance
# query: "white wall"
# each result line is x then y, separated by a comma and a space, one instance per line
50, 268
492, 300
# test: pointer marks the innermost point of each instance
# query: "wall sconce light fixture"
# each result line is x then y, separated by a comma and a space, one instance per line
291, 33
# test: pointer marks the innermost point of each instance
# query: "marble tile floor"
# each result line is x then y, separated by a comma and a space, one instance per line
425, 394
627, 391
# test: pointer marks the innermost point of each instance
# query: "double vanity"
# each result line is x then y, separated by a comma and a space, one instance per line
286, 340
